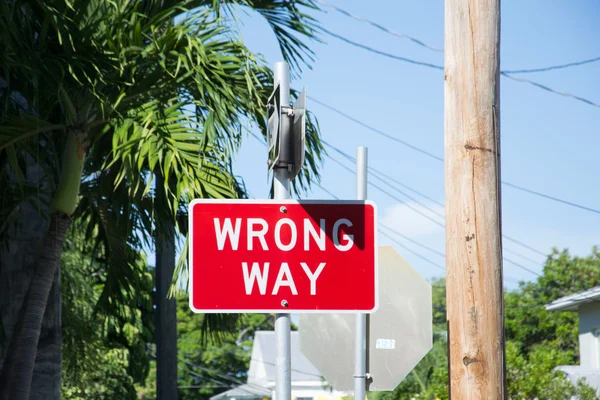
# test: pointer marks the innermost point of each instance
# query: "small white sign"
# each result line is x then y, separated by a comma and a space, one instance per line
386, 344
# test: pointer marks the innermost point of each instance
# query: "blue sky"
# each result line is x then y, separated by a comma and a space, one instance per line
549, 142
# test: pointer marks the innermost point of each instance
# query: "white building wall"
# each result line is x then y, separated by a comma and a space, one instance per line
314, 391
589, 335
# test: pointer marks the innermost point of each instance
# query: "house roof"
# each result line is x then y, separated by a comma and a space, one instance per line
574, 373
573, 301
244, 392
264, 361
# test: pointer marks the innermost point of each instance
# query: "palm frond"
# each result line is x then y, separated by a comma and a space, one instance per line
291, 25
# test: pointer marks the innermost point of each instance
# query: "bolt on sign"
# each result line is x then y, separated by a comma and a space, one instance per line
283, 255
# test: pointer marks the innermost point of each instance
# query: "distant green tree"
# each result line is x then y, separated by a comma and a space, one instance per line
104, 342
527, 321
532, 376
537, 340
210, 363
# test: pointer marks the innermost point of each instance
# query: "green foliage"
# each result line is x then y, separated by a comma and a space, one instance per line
107, 378
532, 376
103, 348
528, 322
144, 92
211, 364
537, 340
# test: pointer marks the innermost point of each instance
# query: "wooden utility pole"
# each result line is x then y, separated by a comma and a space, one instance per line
475, 308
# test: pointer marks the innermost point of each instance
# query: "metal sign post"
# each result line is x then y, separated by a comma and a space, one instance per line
281, 191
375, 351
360, 342
283, 255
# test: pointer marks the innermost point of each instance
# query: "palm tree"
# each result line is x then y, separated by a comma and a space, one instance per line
102, 90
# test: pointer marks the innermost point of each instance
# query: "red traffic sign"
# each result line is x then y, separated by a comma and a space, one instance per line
274, 256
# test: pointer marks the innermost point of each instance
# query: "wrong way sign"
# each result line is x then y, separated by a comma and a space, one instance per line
281, 256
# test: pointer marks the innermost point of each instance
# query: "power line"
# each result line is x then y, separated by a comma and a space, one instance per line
385, 226
428, 217
439, 253
352, 159
551, 197
552, 67
383, 53
523, 245
391, 195
327, 191
219, 375
395, 189
544, 87
380, 27
440, 67
414, 209
378, 174
434, 251
379, 132
435, 157
520, 255
392, 230
267, 362
413, 252
522, 267
440, 50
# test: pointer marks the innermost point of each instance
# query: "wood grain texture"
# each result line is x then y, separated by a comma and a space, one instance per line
472, 188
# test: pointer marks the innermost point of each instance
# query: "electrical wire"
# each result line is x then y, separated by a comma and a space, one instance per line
398, 233
424, 215
434, 251
413, 252
512, 185
431, 155
379, 132
440, 67
352, 159
383, 233
393, 196
380, 27
523, 245
521, 266
552, 67
421, 244
440, 50
508, 250
380, 174
382, 53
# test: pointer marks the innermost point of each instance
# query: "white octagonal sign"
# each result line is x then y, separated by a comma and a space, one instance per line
399, 332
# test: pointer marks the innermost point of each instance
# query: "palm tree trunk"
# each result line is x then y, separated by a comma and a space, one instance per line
17, 371
46, 381
166, 308
20, 361
19, 252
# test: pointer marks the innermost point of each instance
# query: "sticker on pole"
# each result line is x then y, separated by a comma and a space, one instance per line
282, 256
386, 344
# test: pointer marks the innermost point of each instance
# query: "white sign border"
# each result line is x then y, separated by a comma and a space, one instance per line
282, 310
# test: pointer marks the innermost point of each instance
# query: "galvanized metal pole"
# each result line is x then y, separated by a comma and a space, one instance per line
360, 345
281, 191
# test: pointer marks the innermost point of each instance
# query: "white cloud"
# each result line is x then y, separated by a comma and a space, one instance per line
403, 218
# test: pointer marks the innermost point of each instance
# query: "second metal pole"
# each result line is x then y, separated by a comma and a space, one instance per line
360, 342
281, 191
